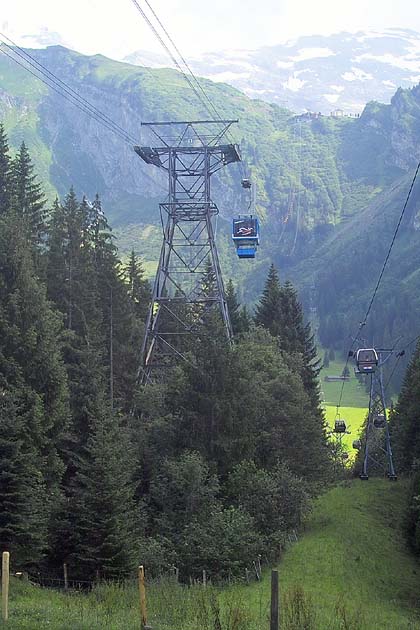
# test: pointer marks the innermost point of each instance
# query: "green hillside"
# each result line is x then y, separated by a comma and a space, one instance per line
353, 558
329, 190
350, 569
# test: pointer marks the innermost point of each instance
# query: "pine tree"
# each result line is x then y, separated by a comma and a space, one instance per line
296, 337
28, 197
138, 286
405, 419
5, 173
35, 389
23, 493
103, 512
233, 308
268, 310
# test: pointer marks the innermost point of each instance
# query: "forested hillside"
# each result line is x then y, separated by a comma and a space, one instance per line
318, 180
209, 470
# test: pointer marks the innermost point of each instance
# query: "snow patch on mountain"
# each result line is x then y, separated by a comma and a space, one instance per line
312, 53
314, 72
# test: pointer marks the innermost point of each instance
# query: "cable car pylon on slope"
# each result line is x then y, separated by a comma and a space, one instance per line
190, 152
377, 439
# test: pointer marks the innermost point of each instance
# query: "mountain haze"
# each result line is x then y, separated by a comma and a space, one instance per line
317, 73
318, 179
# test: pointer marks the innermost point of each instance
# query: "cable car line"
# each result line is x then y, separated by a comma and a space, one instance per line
192, 80
197, 82
168, 50
88, 109
392, 244
400, 354
54, 87
364, 321
73, 94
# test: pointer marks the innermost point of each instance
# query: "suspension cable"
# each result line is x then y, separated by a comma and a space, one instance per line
369, 308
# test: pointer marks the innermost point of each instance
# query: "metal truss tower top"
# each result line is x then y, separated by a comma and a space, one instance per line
377, 440
190, 152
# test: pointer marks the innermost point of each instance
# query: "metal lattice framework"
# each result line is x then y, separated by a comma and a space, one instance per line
190, 152
377, 440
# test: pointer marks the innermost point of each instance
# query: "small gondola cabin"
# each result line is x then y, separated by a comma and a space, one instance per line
245, 235
340, 426
379, 421
366, 360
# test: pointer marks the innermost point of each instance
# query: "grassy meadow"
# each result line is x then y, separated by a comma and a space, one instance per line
350, 570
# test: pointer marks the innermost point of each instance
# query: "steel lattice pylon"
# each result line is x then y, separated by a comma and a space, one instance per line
190, 152
377, 440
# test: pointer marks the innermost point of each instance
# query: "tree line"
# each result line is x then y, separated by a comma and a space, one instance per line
405, 433
207, 470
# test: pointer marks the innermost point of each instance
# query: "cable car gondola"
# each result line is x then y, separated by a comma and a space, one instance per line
245, 235
366, 360
379, 421
340, 426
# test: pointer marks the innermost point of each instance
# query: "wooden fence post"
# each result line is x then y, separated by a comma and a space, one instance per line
142, 593
5, 585
66, 580
204, 578
274, 613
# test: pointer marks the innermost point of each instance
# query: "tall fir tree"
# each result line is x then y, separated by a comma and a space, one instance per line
5, 173
35, 415
233, 307
405, 418
28, 197
103, 512
268, 309
138, 286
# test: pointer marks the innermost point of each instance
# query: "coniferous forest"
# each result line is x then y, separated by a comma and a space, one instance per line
208, 470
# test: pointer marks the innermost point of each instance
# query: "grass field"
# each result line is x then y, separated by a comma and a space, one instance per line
350, 570
354, 393
352, 561
354, 417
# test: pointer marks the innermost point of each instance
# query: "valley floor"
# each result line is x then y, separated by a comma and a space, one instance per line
350, 570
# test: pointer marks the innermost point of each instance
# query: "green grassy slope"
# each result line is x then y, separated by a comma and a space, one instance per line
353, 555
351, 564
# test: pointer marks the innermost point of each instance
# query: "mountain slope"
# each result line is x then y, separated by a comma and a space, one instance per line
316, 177
352, 561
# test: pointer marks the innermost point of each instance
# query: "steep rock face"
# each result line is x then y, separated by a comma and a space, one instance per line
329, 190
310, 172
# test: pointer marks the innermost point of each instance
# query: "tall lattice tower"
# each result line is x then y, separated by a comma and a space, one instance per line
190, 152
377, 441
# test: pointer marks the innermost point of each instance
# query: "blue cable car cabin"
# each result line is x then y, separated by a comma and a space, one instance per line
366, 360
245, 235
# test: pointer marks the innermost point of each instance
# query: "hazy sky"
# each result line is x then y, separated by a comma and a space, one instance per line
117, 29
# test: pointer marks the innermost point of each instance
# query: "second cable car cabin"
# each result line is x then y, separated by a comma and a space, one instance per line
366, 360
246, 236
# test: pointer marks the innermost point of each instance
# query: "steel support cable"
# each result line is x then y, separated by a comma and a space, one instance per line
56, 89
190, 71
178, 65
363, 322
49, 83
167, 49
391, 245
184, 61
59, 83
400, 355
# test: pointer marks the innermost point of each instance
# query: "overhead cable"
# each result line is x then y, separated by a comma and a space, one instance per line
369, 308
